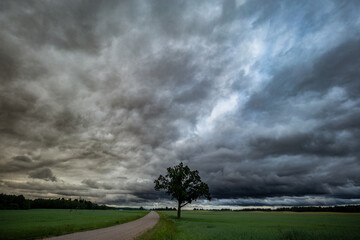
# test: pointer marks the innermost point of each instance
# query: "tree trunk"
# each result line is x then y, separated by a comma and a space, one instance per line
179, 210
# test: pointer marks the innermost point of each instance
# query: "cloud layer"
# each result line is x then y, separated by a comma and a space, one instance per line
262, 97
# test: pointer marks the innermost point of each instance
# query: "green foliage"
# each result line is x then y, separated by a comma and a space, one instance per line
37, 223
183, 185
13, 202
19, 202
164, 230
64, 204
265, 225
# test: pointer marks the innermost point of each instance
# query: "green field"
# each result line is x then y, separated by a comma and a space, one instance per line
257, 225
31, 224
35, 223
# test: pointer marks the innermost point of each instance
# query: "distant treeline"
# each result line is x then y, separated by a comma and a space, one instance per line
346, 208
165, 209
19, 202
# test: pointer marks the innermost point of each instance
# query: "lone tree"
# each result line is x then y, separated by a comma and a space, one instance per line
182, 184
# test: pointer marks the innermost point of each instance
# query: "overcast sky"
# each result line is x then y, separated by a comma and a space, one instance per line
97, 98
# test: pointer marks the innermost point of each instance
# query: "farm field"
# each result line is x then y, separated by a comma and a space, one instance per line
258, 225
35, 223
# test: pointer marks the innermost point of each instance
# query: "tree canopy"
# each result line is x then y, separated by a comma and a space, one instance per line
183, 185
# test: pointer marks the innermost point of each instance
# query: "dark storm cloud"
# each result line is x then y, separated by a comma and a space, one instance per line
54, 24
43, 173
22, 158
8, 59
336, 68
320, 144
94, 184
260, 96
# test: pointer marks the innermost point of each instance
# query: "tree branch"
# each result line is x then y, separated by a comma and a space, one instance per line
184, 205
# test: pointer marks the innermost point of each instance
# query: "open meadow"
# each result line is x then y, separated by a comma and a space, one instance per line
32, 224
35, 223
256, 225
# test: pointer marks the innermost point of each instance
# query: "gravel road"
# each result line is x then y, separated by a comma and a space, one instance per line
123, 231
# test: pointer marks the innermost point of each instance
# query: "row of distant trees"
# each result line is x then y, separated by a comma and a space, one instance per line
165, 209
346, 208
19, 202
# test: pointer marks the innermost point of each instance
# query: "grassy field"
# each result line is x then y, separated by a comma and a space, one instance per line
257, 225
31, 224
35, 223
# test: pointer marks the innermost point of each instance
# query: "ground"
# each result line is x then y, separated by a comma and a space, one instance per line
30, 224
257, 225
35, 223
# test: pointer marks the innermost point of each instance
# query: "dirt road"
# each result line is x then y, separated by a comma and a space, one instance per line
128, 230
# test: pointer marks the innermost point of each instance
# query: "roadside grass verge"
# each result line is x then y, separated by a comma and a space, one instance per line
164, 230
39, 223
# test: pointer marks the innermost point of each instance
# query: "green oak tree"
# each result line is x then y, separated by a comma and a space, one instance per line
183, 185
